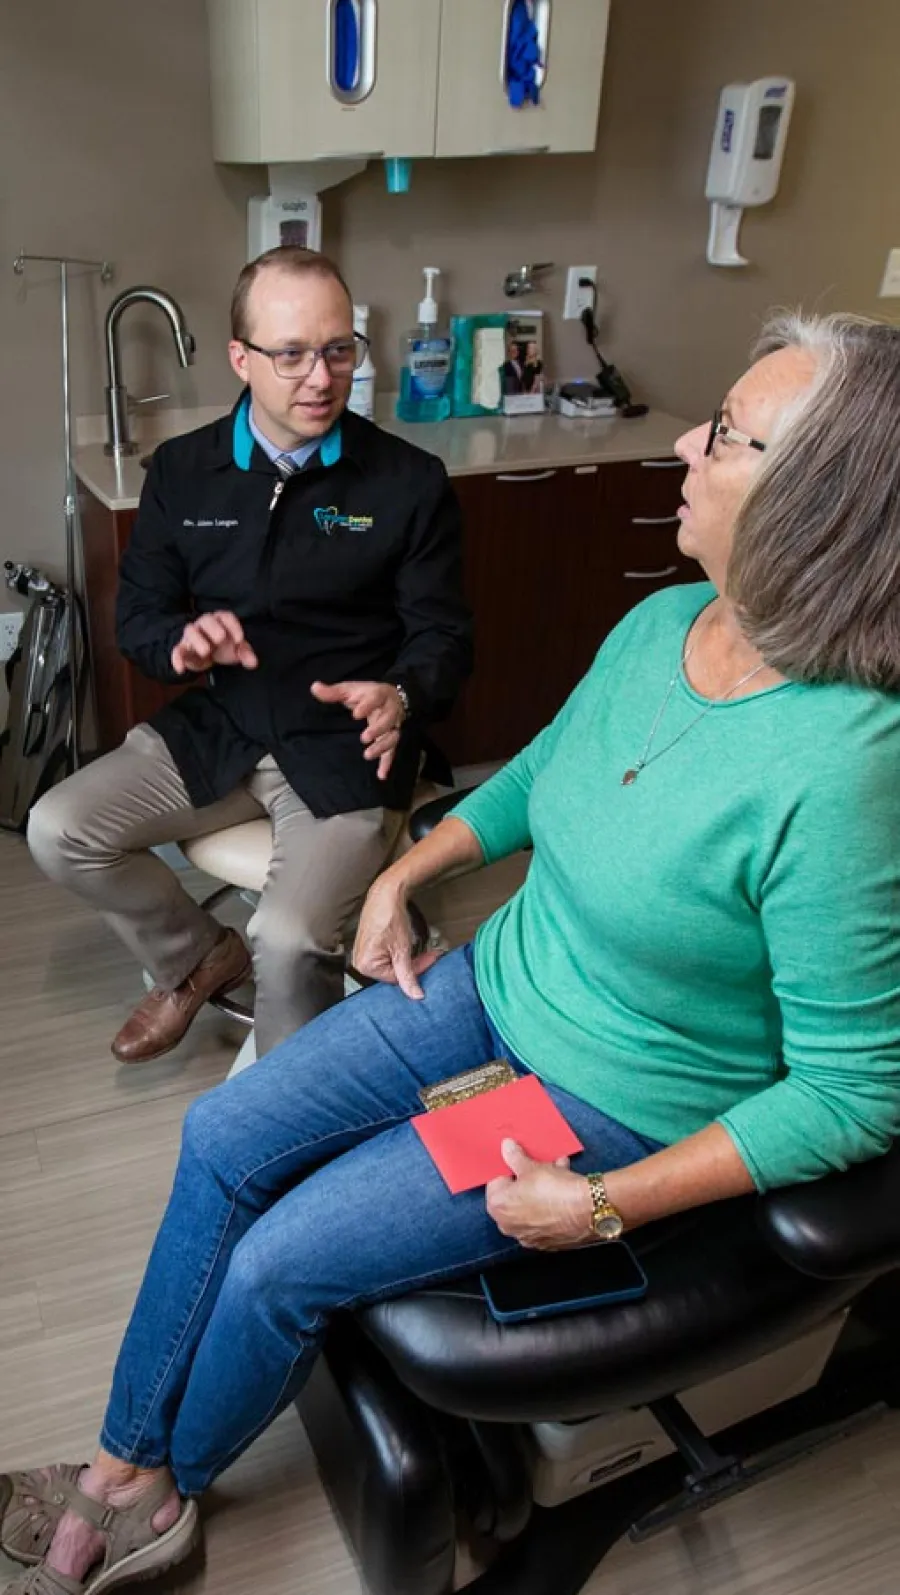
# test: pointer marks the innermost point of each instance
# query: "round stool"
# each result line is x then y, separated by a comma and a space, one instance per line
239, 856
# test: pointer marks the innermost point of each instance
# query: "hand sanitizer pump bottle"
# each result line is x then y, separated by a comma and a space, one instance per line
426, 360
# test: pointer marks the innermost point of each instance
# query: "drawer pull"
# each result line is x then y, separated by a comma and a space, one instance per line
655, 520
520, 149
649, 575
663, 465
528, 476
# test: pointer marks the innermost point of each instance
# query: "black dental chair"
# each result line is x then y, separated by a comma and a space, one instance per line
419, 1410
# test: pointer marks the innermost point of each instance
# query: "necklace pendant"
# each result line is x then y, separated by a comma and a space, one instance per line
629, 777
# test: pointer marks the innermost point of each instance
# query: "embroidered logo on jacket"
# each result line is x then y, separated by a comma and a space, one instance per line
328, 519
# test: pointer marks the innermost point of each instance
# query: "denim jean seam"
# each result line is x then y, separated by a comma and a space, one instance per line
318, 1323
247, 1439
126, 1453
376, 1125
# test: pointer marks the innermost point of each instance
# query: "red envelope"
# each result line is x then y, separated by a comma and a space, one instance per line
464, 1138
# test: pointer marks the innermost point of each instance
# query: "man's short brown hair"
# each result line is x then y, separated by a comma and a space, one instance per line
287, 257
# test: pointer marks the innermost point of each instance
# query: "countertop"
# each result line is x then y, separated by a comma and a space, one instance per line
467, 447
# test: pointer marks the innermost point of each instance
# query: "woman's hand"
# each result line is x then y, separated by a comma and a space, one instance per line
541, 1205
383, 946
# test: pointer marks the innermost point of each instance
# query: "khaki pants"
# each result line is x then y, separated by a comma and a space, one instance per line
92, 834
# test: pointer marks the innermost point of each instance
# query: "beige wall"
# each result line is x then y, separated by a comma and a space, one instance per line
104, 150
678, 328
105, 141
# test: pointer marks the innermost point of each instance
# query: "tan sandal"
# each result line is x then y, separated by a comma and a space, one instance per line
134, 1550
31, 1506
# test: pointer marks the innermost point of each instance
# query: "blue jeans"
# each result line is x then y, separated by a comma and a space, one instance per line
301, 1189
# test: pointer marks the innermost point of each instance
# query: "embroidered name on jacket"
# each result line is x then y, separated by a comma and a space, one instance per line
328, 519
226, 525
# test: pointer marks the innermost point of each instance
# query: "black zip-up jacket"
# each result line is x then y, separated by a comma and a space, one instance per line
348, 571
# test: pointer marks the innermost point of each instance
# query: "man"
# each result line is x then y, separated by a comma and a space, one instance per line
304, 569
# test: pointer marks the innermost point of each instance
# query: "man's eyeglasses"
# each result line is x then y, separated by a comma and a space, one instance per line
720, 429
341, 357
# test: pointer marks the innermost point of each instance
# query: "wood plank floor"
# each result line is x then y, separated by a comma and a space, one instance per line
87, 1150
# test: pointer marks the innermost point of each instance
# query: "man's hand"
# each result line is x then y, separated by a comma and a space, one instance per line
383, 946
380, 705
216, 639
541, 1205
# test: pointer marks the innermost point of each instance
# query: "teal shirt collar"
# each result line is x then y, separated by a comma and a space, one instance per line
330, 448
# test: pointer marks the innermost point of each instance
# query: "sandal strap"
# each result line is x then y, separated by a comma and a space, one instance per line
127, 1528
43, 1580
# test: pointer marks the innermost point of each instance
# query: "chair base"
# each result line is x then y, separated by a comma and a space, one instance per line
400, 1475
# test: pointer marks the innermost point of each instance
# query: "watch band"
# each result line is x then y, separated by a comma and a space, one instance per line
606, 1220
403, 695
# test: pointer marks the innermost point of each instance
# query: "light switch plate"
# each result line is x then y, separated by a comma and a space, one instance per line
578, 299
890, 282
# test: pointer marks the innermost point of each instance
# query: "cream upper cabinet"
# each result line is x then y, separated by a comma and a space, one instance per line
282, 89
474, 114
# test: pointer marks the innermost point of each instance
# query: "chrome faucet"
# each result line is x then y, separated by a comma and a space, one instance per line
118, 401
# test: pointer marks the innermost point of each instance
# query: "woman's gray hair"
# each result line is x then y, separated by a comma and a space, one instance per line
814, 572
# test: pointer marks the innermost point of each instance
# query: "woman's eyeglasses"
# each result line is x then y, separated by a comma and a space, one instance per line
720, 429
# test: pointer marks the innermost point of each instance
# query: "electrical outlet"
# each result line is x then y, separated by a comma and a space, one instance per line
890, 282
10, 626
578, 299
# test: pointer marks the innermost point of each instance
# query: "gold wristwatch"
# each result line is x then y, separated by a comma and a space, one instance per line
607, 1222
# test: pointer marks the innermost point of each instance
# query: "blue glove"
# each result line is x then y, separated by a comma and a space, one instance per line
523, 57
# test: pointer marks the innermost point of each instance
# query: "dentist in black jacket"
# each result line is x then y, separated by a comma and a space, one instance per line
305, 568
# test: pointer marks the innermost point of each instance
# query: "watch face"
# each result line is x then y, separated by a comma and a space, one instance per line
609, 1227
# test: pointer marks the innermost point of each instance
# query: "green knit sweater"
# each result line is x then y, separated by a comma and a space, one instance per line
720, 940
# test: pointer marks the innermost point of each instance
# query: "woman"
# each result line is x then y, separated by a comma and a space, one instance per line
533, 369
703, 966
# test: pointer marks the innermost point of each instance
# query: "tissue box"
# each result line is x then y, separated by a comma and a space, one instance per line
479, 352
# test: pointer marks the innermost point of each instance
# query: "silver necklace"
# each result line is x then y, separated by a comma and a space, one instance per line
647, 757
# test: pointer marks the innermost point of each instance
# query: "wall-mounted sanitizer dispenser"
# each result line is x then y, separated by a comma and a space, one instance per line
291, 212
745, 163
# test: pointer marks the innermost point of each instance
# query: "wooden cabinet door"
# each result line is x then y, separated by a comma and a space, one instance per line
305, 114
123, 696
474, 114
526, 540
553, 561
276, 96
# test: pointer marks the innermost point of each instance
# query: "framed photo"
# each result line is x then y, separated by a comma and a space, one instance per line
522, 372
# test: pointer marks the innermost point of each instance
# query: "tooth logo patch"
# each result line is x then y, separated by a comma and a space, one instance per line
328, 519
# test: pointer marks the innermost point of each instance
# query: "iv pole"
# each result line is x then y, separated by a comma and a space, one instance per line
70, 502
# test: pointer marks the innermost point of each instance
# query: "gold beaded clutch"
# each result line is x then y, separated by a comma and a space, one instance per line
459, 1087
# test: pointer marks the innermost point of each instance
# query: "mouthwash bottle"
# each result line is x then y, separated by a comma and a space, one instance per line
426, 361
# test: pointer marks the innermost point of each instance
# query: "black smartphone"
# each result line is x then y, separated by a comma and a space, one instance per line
548, 1283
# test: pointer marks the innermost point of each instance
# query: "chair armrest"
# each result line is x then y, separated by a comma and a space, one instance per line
423, 820
841, 1226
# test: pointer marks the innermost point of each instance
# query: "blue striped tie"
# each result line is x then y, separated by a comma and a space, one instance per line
286, 465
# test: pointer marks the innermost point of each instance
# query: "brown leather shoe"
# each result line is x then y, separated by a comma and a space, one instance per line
159, 1022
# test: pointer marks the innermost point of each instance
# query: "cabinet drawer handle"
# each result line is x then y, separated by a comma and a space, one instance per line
663, 465
655, 520
527, 476
649, 575
520, 149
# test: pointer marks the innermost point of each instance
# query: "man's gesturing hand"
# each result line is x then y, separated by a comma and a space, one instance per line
376, 702
216, 639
